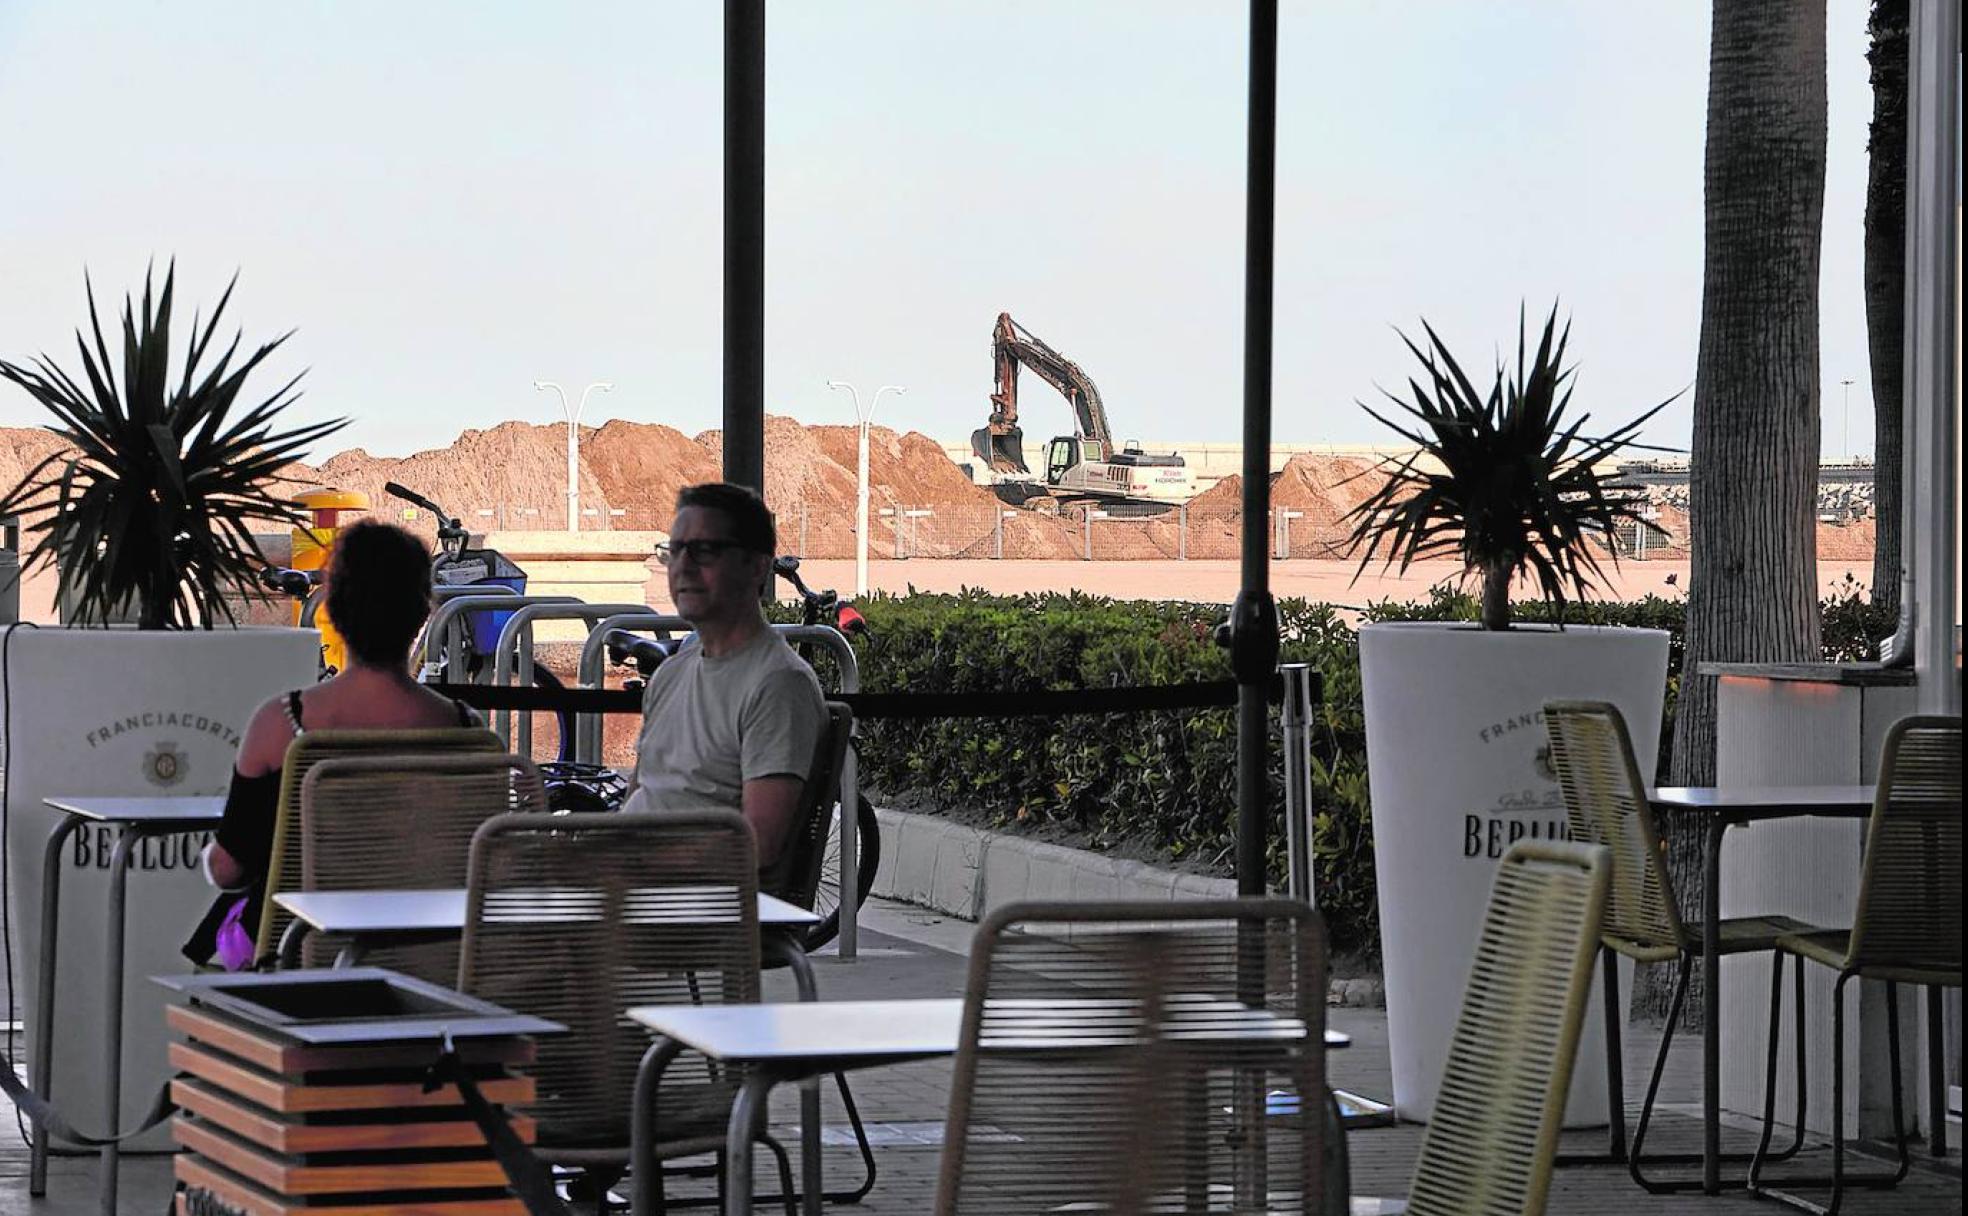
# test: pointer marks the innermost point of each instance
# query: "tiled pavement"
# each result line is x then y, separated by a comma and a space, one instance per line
909, 953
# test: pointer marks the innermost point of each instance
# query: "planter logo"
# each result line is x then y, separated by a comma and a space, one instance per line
1542, 762
165, 764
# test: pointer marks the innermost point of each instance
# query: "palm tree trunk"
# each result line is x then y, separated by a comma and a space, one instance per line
1885, 286
1752, 594
1496, 597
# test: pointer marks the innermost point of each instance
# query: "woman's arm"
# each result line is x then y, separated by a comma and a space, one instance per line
262, 751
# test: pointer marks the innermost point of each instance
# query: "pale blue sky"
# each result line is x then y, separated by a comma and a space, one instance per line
450, 200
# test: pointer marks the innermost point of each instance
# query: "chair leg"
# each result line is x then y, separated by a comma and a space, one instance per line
1615, 1153
1839, 1181
1636, 1158
860, 1139
787, 1191
1899, 1105
1763, 1156
1615, 1066
1936, 1072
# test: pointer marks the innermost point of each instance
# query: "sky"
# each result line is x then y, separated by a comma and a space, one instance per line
449, 201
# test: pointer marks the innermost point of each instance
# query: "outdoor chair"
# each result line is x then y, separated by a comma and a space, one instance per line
1606, 803
1906, 929
795, 877
578, 917
284, 865
1129, 1057
404, 822
1490, 1144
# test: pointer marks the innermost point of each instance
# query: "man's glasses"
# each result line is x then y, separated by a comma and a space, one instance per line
700, 552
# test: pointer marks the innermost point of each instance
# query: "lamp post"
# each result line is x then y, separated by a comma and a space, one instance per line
1845, 431
861, 506
574, 443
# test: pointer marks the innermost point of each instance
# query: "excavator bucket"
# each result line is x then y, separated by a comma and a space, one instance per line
1002, 453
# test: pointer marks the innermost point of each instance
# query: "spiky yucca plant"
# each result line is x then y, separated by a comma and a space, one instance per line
1518, 488
154, 504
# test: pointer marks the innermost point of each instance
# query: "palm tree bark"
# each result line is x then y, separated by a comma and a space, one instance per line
1752, 594
1885, 286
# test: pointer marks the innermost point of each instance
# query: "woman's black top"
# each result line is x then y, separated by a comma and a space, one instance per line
246, 833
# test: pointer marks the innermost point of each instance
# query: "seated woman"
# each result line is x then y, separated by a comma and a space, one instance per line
379, 597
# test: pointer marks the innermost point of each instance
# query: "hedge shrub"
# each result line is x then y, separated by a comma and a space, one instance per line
1168, 780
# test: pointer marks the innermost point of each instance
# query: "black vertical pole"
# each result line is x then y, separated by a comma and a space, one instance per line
1254, 617
744, 242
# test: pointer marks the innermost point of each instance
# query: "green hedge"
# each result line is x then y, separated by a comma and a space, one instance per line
1167, 780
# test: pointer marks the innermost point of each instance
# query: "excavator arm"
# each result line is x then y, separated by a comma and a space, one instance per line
1001, 443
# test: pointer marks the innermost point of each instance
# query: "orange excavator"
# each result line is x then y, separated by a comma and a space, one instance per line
1085, 466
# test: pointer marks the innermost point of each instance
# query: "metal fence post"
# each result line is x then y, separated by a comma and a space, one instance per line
997, 533
1182, 533
1295, 716
1086, 526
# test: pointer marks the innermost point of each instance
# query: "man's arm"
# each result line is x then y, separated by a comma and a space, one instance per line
771, 808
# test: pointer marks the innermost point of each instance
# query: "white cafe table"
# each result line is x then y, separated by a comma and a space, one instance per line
795, 1042
399, 917
1719, 809
134, 819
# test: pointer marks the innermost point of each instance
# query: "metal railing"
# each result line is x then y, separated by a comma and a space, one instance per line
514, 653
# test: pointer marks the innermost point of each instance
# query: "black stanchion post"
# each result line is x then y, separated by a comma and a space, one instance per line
1254, 617
744, 243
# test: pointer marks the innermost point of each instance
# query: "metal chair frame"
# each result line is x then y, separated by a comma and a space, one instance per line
1098, 996
284, 864
731, 950
1493, 1137
1901, 933
389, 821
1606, 803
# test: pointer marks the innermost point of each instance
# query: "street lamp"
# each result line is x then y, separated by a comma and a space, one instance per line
1846, 431
574, 444
861, 508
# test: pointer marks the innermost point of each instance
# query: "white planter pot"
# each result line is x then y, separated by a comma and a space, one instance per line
120, 712
1457, 769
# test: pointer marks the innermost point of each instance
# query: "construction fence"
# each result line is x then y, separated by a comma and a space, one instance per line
1076, 533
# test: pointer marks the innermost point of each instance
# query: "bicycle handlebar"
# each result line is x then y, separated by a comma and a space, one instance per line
412, 497
297, 583
448, 526
646, 653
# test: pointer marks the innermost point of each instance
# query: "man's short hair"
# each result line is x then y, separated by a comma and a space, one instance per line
749, 517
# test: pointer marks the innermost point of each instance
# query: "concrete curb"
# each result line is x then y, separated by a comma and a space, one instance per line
967, 872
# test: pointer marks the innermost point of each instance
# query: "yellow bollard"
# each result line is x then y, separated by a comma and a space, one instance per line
312, 546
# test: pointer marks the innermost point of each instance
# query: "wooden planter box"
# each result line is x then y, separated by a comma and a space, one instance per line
305, 1088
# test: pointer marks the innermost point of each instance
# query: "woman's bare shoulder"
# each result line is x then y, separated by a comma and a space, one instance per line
269, 731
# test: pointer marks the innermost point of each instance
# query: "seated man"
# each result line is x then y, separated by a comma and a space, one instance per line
732, 719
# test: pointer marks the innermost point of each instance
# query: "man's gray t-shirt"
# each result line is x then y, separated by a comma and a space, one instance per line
711, 724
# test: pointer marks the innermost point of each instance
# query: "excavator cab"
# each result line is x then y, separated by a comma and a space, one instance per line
1061, 455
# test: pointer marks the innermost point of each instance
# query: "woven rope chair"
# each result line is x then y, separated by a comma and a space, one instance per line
1489, 1148
1906, 929
1606, 803
795, 878
578, 917
284, 862
1140, 1057
384, 822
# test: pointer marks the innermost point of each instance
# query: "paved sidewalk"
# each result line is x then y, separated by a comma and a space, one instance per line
907, 952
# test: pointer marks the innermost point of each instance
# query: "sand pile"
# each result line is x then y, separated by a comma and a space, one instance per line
516, 471
641, 466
